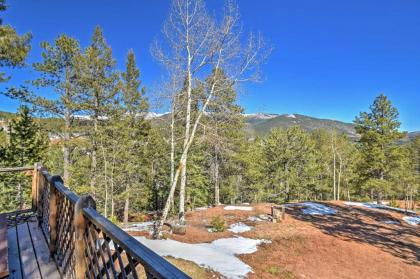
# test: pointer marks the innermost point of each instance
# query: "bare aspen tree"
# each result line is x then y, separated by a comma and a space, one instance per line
334, 152
195, 46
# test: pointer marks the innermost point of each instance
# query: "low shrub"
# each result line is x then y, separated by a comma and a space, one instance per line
218, 224
394, 203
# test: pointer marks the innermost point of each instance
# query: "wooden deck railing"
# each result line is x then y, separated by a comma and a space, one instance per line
85, 244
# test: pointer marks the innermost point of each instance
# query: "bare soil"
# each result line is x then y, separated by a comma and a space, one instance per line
354, 243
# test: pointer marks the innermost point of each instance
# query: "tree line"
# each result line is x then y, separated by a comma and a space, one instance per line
198, 154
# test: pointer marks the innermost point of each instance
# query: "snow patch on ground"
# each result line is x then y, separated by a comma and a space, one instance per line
239, 228
412, 220
233, 207
218, 255
138, 227
313, 208
391, 222
291, 116
377, 206
254, 219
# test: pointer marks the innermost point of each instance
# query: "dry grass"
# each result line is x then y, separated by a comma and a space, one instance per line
193, 269
354, 243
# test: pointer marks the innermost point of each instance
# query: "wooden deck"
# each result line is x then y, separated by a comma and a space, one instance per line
28, 252
61, 235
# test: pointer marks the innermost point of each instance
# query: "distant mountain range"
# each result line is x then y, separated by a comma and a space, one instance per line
259, 124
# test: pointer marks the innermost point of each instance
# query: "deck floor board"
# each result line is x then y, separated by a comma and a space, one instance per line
28, 252
46, 265
13, 251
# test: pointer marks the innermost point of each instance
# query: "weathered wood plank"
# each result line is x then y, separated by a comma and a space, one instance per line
16, 169
27, 253
13, 251
47, 266
4, 263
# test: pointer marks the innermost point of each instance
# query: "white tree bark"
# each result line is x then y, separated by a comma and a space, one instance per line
196, 46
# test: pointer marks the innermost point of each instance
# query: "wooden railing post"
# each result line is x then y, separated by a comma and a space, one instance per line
52, 218
41, 193
35, 187
79, 228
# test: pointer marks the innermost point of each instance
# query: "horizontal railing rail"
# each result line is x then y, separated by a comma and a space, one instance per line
84, 243
16, 169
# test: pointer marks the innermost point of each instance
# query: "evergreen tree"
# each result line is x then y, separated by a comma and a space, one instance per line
223, 130
13, 47
134, 130
289, 163
26, 145
58, 72
378, 145
98, 80
249, 186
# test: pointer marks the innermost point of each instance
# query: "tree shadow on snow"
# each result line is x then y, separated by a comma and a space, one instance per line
366, 226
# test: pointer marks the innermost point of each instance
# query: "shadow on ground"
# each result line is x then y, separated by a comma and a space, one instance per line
367, 226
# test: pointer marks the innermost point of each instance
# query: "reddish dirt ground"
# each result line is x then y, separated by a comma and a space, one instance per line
354, 243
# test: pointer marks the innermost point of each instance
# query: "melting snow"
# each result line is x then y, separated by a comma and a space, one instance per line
233, 207
291, 116
218, 255
391, 222
254, 219
313, 208
378, 206
239, 228
137, 227
412, 220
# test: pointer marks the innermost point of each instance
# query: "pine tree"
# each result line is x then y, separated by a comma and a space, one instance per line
378, 145
13, 47
97, 79
289, 163
134, 131
58, 72
26, 145
223, 129
250, 184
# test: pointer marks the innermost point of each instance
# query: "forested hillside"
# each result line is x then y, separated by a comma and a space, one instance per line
107, 142
258, 124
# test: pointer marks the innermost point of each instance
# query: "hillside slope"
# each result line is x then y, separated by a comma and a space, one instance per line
257, 124
261, 124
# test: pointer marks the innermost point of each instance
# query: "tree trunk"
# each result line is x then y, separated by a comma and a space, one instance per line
216, 181
186, 140
112, 183
20, 195
340, 168
334, 185
166, 209
172, 146
93, 168
287, 183
181, 214
126, 208
67, 128
66, 148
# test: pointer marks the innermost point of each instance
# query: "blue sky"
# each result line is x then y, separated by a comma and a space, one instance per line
331, 58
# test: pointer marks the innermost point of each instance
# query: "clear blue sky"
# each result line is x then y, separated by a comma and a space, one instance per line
331, 57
